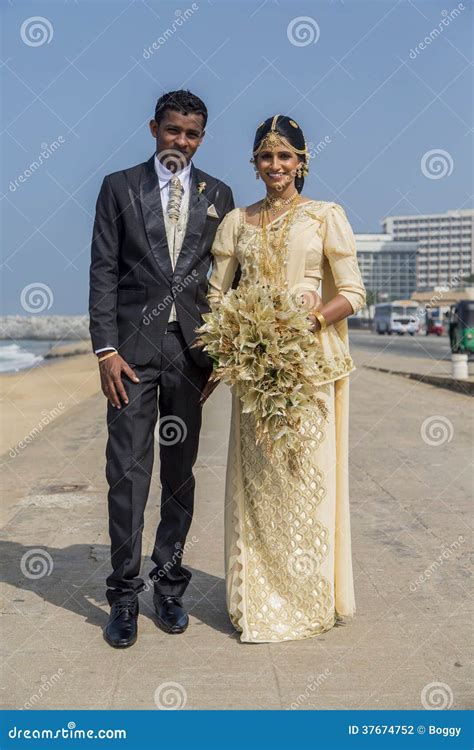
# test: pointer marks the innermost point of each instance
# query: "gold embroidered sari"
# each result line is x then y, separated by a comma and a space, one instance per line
287, 540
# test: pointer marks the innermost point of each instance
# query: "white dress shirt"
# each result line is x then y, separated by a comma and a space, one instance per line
165, 176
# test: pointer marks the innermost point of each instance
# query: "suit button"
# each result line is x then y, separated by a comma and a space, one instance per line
177, 278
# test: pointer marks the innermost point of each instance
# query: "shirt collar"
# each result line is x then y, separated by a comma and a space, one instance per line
165, 174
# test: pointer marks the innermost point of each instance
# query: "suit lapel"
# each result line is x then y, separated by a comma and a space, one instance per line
197, 212
152, 212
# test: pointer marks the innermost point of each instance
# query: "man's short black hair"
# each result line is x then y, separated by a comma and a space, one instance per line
180, 101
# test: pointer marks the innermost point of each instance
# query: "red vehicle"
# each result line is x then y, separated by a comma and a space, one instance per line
434, 325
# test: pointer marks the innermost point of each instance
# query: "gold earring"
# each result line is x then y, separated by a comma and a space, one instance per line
302, 169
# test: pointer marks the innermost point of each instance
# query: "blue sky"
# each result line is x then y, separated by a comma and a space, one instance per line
352, 73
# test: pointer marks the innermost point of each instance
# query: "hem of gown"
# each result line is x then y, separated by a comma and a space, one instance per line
239, 614
335, 621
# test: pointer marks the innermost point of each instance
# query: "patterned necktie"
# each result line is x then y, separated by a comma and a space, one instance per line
174, 200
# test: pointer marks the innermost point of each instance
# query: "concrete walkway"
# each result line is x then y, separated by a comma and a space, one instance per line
410, 483
424, 360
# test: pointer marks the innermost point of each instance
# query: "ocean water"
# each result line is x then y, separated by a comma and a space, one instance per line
20, 355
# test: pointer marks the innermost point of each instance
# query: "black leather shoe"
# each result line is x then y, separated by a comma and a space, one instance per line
121, 629
172, 617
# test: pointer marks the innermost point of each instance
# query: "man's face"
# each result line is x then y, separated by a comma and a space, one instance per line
178, 133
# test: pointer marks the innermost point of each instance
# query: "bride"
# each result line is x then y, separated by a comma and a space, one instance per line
287, 539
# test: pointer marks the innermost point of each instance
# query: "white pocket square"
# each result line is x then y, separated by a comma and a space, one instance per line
211, 211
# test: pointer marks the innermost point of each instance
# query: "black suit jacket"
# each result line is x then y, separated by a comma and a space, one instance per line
132, 283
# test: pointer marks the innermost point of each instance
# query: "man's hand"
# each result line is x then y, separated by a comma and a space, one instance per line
210, 386
111, 379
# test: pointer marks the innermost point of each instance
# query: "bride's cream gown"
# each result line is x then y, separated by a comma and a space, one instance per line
287, 540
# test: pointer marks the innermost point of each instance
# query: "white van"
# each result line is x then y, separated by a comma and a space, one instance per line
397, 317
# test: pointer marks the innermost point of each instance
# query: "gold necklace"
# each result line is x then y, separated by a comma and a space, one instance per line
274, 203
272, 265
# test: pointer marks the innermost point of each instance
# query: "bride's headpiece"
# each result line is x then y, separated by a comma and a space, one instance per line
274, 138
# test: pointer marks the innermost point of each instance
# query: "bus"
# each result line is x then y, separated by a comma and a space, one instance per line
400, 316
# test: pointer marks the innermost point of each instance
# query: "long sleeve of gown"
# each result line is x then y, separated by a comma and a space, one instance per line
340, 249
225, 262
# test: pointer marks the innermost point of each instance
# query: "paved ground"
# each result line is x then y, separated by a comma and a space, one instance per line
424, 355
410, 484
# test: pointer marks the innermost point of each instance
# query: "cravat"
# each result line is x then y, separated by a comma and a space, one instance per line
174, 200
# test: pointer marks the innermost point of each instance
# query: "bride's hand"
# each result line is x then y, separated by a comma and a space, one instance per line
311, 299
210, 386
315, 324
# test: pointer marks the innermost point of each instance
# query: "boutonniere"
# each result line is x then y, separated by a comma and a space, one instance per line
201, 187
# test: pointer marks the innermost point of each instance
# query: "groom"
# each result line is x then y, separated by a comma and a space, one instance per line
154, 227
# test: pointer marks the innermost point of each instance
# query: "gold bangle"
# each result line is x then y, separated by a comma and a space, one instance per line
106, 356
322, 320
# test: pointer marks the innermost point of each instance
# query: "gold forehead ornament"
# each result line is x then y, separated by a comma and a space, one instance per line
273, 139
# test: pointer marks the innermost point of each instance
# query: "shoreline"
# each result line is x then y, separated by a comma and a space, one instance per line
56, 350
33, 397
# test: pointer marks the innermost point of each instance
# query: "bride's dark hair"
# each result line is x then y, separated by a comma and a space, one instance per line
291, 132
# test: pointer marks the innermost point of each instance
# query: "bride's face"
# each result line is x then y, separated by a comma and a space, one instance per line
277, 167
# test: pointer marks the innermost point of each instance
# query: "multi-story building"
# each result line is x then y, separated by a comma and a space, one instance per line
388, 267
445, 245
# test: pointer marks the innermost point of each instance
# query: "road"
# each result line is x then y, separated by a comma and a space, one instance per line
411, 483
402, 346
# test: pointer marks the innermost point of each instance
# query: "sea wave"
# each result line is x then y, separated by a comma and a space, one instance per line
14, 358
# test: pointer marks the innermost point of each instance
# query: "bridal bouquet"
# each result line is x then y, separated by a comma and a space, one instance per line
260, 340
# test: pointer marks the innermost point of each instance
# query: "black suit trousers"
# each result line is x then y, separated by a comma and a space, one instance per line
171, 385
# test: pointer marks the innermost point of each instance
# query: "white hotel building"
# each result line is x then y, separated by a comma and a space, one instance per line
445, 245
387, 266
